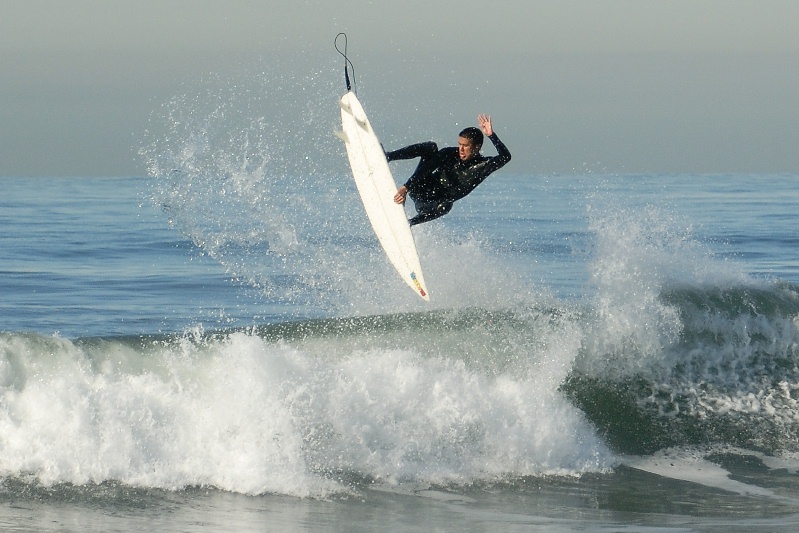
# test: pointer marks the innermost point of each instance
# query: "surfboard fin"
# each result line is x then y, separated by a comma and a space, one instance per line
344, 106
341, 135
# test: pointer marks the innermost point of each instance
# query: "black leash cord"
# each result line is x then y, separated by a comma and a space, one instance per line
347, 63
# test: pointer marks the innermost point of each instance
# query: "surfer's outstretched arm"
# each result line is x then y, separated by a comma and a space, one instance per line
412, 151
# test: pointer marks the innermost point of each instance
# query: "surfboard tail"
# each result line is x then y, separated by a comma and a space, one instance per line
355, 110
345, 105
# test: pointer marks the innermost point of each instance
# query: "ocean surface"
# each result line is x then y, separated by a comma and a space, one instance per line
229, 350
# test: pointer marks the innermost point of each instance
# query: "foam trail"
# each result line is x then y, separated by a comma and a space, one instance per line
687, 466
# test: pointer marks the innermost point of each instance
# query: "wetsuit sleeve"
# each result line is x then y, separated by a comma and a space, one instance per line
502, 157
412, 151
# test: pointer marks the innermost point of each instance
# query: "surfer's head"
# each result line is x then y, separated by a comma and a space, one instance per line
470, 140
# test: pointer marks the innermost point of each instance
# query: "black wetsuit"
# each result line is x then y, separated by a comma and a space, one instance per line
441, 177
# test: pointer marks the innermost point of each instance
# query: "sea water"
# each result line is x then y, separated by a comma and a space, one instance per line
600, 352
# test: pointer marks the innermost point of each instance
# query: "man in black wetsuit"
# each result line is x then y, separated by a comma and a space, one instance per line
446, 175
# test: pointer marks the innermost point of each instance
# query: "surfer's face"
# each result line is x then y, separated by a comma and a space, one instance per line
466, 148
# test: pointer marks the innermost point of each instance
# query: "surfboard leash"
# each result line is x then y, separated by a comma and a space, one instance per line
348, 66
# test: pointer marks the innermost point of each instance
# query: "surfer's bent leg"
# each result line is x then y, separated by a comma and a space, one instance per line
430, 212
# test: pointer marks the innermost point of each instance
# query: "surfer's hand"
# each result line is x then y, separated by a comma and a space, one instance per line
485, 124
402, 192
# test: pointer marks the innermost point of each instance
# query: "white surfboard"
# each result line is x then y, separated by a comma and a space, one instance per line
377, 189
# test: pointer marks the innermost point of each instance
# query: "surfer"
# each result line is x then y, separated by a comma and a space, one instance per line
446, 175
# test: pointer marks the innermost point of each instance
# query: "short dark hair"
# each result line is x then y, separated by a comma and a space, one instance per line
473, 134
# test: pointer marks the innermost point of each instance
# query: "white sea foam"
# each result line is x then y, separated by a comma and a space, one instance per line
691, 465
640, 253
246, 415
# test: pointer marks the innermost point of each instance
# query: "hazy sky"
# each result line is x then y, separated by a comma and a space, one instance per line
612, 86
